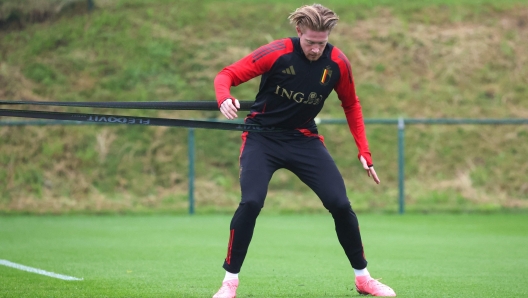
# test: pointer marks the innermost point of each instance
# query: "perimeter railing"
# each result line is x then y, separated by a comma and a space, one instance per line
400, 123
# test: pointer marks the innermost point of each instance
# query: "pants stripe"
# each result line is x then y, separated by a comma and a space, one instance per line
230, 246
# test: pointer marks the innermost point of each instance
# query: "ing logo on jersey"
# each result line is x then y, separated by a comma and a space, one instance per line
326, 75
299, 97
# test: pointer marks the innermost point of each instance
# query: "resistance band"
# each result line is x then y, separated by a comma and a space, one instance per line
152, 105
130, 120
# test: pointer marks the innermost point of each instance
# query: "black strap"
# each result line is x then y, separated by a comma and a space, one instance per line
153, 105
131, 120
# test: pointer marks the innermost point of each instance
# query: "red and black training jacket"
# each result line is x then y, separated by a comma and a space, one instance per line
293, 89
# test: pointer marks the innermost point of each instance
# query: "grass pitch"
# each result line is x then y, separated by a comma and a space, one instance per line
290, 256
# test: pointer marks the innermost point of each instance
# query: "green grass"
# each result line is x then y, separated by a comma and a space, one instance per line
290, 256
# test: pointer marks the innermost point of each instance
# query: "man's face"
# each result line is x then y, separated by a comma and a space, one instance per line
313, 43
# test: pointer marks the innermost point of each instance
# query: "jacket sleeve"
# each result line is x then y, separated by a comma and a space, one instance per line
346, 91
258, 62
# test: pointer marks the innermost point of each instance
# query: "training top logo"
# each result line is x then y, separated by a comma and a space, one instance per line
289, 70
326, 75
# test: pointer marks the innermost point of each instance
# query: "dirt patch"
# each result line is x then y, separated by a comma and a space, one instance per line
14, 85
16, 15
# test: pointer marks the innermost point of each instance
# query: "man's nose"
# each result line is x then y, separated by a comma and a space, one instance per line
315, 50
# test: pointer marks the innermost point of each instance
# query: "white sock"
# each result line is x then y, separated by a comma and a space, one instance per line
230, 276
361, 272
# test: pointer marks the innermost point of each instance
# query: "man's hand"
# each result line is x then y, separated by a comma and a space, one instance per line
229, 108
370, 170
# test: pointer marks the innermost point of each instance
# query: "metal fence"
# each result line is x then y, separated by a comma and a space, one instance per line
399, 123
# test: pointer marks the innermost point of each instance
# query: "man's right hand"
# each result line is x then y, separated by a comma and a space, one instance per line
229, 108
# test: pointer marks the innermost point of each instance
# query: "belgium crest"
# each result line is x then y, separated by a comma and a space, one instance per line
326, 75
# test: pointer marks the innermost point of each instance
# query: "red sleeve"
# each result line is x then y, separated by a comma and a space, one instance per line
346, 91
258, 62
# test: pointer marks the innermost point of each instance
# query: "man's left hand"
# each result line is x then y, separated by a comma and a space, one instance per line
370, 170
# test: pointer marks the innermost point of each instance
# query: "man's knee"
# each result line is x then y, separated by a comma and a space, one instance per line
251, 206
339, 206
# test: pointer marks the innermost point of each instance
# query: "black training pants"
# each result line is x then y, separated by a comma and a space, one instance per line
305, 155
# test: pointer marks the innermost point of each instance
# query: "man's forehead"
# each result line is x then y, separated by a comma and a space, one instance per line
316, 39
315, 35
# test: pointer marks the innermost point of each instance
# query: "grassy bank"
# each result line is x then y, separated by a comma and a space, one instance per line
453, 59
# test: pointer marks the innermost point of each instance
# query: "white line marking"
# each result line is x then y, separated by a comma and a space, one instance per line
38, 271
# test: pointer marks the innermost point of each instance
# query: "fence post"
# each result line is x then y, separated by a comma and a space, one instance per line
190, 148
401, 163
90, 4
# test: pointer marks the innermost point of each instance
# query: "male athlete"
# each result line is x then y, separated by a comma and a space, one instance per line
298, 74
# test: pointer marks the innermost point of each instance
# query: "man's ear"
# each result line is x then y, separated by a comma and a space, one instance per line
299, 32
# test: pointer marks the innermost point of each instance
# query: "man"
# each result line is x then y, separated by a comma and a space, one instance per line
298, 74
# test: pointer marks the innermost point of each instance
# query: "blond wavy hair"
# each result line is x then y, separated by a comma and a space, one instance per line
314, 17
